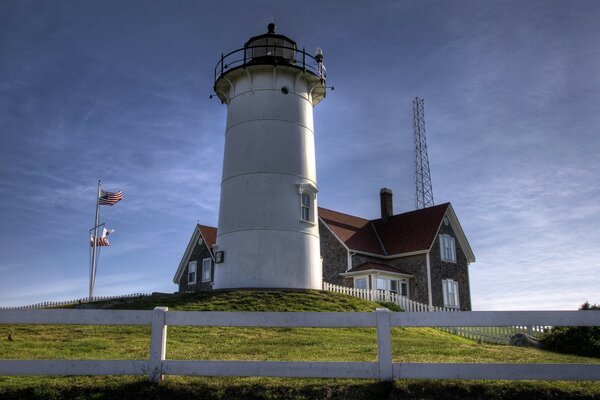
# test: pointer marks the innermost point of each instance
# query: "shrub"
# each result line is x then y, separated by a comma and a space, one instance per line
580, 340
390, 306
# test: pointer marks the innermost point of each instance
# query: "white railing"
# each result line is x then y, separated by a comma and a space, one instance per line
83, 300
383, 320
493, 334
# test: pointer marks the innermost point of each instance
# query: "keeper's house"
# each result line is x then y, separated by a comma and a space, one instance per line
423, 254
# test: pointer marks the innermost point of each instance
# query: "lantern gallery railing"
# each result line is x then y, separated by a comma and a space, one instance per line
271, 54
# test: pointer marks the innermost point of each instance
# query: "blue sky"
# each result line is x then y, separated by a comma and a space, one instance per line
120, 91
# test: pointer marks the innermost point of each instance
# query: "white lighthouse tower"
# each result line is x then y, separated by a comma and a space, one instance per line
268, 235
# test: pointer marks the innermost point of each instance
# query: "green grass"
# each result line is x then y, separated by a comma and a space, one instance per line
273, 344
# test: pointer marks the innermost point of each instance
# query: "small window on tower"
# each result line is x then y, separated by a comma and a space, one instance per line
307, 194
305, 207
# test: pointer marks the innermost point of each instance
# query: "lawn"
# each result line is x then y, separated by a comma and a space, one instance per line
274, 344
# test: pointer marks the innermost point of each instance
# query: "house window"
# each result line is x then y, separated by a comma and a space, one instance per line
404, 288
360, 283
387, 284
206, 272
192, 272
447, 248
450, 291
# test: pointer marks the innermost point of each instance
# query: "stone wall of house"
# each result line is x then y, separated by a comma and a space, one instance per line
441, 270
199, 253
335, 258
413, 265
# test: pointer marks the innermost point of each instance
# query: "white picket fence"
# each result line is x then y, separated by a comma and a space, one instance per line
50, 304
403, 302
485, 334
157, 366
494, 334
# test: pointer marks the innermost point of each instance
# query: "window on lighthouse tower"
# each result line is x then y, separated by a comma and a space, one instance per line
307, 193
305, 207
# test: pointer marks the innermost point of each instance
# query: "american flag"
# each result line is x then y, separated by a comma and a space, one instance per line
101, 241
110, 198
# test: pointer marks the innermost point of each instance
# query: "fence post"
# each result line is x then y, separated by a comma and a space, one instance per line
158, 344
384, 344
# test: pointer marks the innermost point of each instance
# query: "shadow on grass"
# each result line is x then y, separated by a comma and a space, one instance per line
272, 388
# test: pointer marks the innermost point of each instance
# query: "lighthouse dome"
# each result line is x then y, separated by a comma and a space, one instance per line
266, 52
270, 47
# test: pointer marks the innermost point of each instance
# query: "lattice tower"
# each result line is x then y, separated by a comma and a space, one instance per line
424, 193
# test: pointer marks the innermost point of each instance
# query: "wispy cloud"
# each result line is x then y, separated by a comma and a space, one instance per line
510, 117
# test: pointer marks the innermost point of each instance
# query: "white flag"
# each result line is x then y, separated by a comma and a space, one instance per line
106, 232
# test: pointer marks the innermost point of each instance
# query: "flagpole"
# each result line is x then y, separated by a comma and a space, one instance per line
95, 243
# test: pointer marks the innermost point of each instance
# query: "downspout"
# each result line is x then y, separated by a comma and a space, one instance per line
429, 294
349, 261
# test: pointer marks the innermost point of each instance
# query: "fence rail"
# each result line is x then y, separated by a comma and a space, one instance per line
157, 366
485, 334
83, 300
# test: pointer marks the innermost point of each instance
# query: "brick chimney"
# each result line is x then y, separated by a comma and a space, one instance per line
387, 208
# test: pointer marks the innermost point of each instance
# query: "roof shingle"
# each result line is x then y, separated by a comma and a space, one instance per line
210, 235
376, 266
357, 233
401, 233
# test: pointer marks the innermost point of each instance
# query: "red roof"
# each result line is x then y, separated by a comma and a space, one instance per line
379, 267
357, 233
402, 233
209, 234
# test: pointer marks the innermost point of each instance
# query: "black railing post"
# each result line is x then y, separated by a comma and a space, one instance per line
221, 63
304, 58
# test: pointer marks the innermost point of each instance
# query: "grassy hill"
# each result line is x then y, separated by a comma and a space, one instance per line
273, 344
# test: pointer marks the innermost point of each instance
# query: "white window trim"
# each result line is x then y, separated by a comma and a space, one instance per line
372, 282
447, 242
305, 207
311, 191
446, 285
400, 283
204, 263
195, 264
388, 284
365, 278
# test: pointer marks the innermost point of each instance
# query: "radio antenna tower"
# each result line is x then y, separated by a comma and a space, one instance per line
424, 193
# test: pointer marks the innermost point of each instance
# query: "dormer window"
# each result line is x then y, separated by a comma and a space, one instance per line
308, 194
447, 248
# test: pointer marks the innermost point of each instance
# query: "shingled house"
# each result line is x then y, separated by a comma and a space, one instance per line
423, 254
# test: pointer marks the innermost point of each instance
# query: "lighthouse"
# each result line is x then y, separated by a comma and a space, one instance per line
268, 235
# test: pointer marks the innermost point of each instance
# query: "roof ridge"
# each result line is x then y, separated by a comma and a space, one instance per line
415, 211
346, 214
206, 226
378, 238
